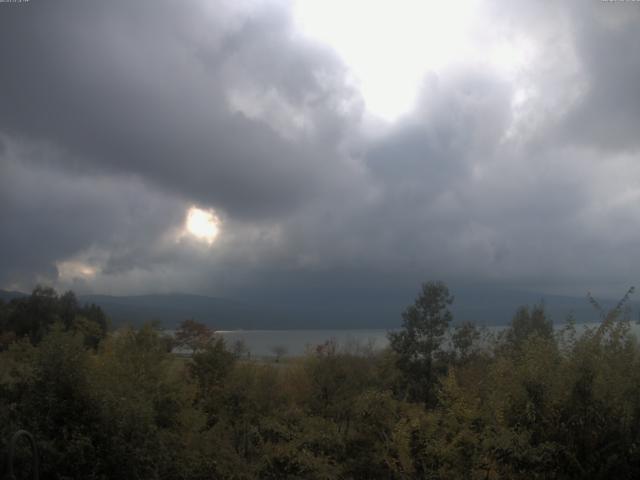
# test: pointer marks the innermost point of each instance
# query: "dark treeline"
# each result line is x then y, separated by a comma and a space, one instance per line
441, 402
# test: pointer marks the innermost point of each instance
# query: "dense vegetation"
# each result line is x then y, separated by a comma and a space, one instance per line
440, 403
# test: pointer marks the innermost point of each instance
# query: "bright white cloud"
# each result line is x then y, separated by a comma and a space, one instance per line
389, 45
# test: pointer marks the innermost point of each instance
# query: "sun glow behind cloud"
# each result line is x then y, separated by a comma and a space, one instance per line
69, 270
204, 225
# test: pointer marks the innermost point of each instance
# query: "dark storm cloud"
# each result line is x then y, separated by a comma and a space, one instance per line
607, 41
466, 187
143, 88
117, 116
459, 118
49, 215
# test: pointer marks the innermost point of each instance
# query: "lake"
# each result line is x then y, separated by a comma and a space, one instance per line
261, 342
296, 342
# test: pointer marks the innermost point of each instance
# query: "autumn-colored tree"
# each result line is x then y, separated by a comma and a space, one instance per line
193, 335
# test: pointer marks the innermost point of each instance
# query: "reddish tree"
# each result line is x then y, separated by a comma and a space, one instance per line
193, 335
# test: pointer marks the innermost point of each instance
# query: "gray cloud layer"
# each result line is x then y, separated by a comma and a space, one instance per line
115, 117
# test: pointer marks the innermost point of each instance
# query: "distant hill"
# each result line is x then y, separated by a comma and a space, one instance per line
170, 309
484, 306
7, 295
497, 307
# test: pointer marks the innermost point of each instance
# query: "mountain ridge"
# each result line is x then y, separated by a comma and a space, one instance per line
482, 306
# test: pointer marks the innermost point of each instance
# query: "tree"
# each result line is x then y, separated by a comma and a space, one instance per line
68, 307
620, 311
240, 349
193, 335
418, 344
33, 317
210, 366
463, 340
527, 322
279, 351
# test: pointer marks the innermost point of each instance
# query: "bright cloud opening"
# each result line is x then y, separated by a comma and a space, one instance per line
389, 45
69, 270
202, 224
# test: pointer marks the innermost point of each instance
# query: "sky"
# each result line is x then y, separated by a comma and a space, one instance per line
238, 148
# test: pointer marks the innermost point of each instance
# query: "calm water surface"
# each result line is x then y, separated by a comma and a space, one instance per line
296, 342
261, 343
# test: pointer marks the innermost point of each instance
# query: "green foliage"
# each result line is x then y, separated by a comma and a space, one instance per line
464, 341
34, 316
209, 368
418, 344
527, 322
536, 404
